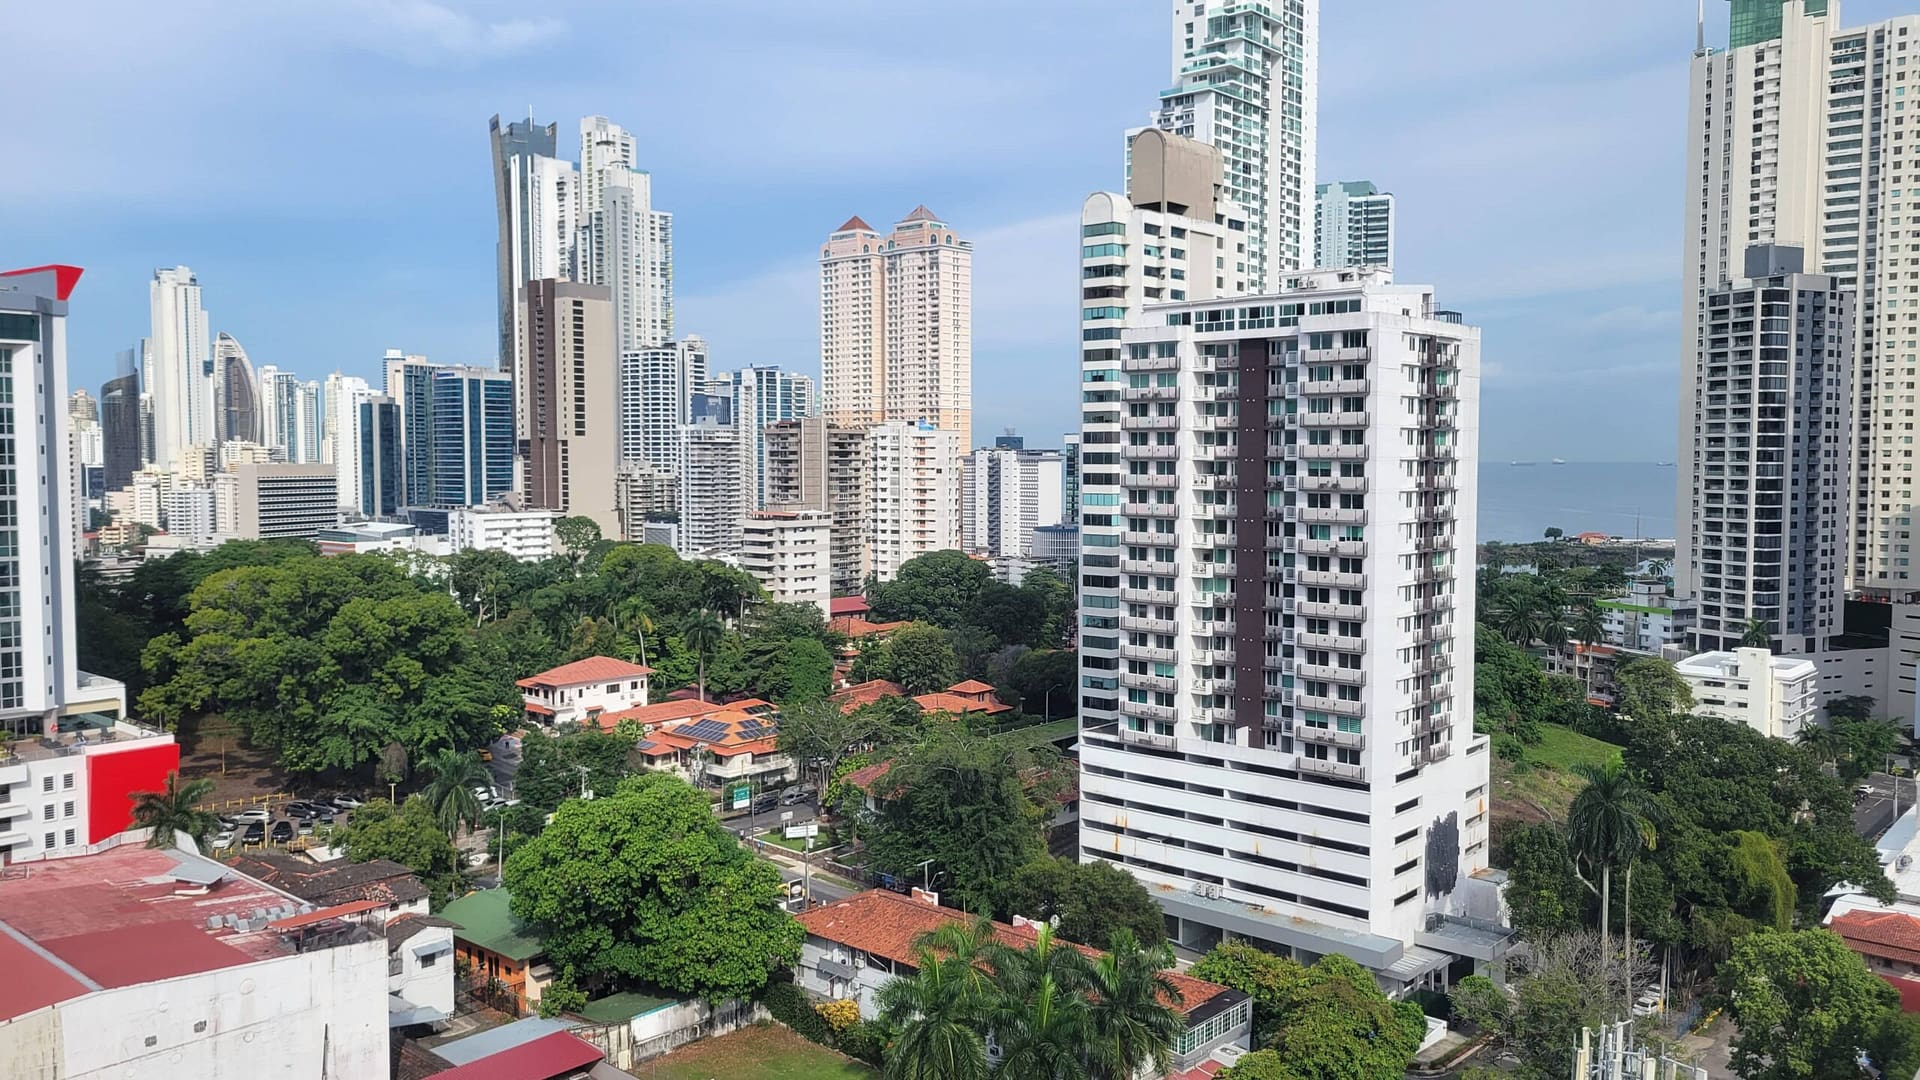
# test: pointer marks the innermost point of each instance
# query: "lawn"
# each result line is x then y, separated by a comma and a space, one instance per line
1543, 785
761, 1052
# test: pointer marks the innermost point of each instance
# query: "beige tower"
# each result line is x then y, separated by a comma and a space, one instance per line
569, 401
896, 324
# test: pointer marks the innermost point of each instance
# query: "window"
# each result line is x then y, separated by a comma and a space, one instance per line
66, 782
67, 811
69, 837
428, 960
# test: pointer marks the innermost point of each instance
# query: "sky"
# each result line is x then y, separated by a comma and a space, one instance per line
323, 166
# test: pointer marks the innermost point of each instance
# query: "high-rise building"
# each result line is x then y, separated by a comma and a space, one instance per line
536, 202
789, 552
656, 394
236, 394
1005, 494
39, 679
1276, 622
624, 243
644, 493
1070, 478
1158, 242
815, 464
1769, 519
82, 406
471, 437
120, 424
284, 502
896, 324
410, 383
913, 489
570, 402
382, 486
1352, 225
345, 393
763, 394
183, 383
713, 490
1245, 80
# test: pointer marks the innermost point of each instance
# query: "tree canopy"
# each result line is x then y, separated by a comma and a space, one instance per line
1329, 1021
1092, 900
410, 835
1804, 1004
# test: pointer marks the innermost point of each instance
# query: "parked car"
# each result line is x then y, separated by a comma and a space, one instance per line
765, 801
345, 802
255, 832
794, 796
483, 792
281, 832
223, 839
301, 811
258, 814
1647, 1004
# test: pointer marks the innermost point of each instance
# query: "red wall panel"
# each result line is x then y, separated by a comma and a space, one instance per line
113, 779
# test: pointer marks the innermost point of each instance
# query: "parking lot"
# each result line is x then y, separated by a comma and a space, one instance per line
281, 824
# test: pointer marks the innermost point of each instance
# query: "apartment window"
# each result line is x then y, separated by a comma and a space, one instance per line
69, 836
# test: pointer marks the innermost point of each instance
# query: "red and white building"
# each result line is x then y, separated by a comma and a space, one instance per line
580, 692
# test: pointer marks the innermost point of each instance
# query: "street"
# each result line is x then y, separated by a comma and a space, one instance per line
1874, 813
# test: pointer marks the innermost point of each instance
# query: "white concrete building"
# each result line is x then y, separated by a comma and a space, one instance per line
914, 488
1774, 695
1276, 623
1352, 225
762, 395
536, 204
345, 395
1005, 495
1647, 619
715, 479
527, 535
790, 553
579, 692
182, 385
282, 502
624, 243
187, 512
816, 464
656, 391
1246, 80
151, 963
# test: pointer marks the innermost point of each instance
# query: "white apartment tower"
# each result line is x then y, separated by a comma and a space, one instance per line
789, 553
536, 202
182, 366
713, 490
814, 464
624, 243
914, 491
1277, 619
656, 392
1005, 494
896, 324
1245, 80
1352, 225
344, 395
763, 394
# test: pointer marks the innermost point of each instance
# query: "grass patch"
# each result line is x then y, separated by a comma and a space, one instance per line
1036, 734
1543, 780
760, 1052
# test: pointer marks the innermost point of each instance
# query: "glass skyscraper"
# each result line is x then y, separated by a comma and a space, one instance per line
472, 435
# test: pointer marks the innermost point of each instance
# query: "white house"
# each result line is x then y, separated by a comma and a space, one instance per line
1774, 695
579, 692
419, 970
1646, 619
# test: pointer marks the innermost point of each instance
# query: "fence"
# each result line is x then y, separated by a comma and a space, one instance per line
241, 804
628, 1043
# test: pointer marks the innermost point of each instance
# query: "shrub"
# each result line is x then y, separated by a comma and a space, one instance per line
1433, 1003
839, 1014
866, 1041
789, 1005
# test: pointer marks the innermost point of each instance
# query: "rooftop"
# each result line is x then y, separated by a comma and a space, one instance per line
674, 710
886, 924
125, 916
83, 733
1726, 665
848, 605
592, 669
726, 733
482, 919
866, 693
557, 1055
333, 883
1894, 935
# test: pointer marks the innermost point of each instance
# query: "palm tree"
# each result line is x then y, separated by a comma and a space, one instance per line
637, 623
1132, 1015
1824, 743
455, 773
1658, 567
1758, 636
702, 633
174, 810
939, 1008
1611, 821
1515, 618
1041, 1016
1589, 626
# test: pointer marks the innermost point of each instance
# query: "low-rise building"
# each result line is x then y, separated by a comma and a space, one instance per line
856, 945
71, 789
362, 537
498, 949
1646, 620
970, 696
1889, 943
283, 502
525, 534
578, 693
738, 744
789, 554
143, 962
1774, 695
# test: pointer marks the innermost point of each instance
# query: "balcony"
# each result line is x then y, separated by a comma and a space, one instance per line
1212, 482
1144, 738
1202, 685
1323, 387
1150, 363
1215, 423
1352, 740
1333, 419
1211, 570
1333, 579
1144, 625
1150, 480
1146, 712
1333, 483
1213, 715
1332, 452
1212, 656
1352, 612
1329, 641
1150, 596
1337, 706
1148, 539
1149, 423
1150, 393
1149, 453
1147, 566
1148, 682
1165, 656
1350, 548
1355, 676
1213, 511
1327, 767
1332, 515
1151, 509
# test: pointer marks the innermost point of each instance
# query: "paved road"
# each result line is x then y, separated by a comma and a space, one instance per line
1873, 814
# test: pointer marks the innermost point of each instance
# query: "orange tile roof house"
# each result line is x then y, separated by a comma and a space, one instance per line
735, 741
1889, 941
854, 946
970, 696
866, 693
579, 692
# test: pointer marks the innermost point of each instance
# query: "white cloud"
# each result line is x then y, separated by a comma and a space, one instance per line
427, 32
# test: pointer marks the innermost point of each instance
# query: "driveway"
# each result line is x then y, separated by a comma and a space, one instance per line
1874, 813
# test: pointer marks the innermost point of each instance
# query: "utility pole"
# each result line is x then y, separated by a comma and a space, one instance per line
806, 890
926, 882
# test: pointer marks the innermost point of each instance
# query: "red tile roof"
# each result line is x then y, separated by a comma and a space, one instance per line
957, 703
538, 709
921, 213
592, 669
660, 712
887, 924
1908, 989
1893, 935
867, 776
971, 686
853, 223
867, 693
848, 605
545, 1058
856, 627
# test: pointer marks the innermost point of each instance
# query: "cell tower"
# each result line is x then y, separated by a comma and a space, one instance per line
1609, 1053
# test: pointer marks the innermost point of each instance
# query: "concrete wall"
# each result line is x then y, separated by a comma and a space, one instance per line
426, 985
30, 1044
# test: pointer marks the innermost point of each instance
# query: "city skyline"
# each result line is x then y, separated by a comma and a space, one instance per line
1506, 234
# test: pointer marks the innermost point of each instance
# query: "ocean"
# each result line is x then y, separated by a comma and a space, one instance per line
1520, 502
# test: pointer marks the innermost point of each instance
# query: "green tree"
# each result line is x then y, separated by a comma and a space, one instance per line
803, 673
939, 588
1804, 1004
1046, 677
1650, 689
1544, 892
1758, 635
702, 633
1343, 1026
1260, 1065
1851, 707
1091, 900
1868, 744
1040, 1015
645, 886
451, 777
938, 1010
819, 735
1132, 1017
1825, 743
960, 800
1895, 1047
1565, 982
1275, 983
1611, 822
408, 835
577, 535
1554, 533
921, 658
1482, 1005
174, 809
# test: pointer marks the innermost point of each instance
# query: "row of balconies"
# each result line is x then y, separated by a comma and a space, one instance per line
1353, 740
1355, 676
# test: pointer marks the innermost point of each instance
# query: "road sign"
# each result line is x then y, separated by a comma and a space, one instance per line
795, 832
786, 815
742, 797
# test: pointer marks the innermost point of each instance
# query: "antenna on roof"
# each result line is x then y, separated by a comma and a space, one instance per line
1700, 28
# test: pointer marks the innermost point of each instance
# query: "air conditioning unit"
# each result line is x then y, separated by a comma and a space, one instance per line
1228, 1055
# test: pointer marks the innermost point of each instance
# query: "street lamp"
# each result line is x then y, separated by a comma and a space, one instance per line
926, 883
1046, 705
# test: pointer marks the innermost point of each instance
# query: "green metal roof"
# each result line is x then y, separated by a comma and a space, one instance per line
619, 1008
483, 920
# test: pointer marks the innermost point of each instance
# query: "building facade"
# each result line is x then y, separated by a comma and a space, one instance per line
382, 486
656, 400
763, 394
525, 534
534, 201
624, 244
816, 464
913, 488
1777, 696
1246, 81
409, 382
1352, 225
896, 324
1276, 622
236, 394
284, 502
120, 428
569, 401
790, 554
715, 478
1005, 495
182, 384
471, 437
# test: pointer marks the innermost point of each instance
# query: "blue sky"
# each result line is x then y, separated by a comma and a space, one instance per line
323, 166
